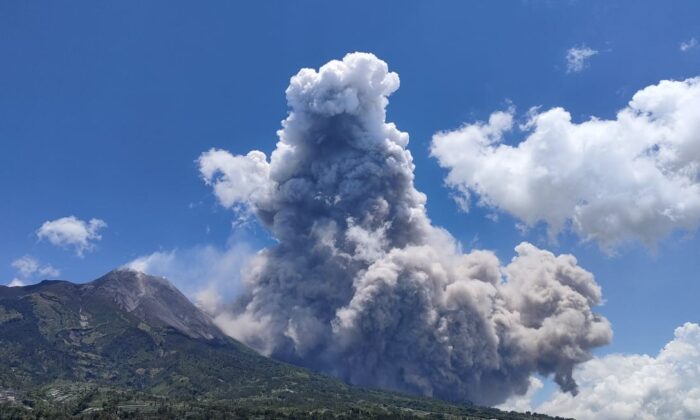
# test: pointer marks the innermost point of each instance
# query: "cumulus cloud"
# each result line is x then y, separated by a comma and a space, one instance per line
577, 58
634, 177
28, 269
236, 180
635, 386
361, 285
209, 275
689, 44
72, 232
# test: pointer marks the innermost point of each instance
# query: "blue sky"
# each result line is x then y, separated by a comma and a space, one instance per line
105, 107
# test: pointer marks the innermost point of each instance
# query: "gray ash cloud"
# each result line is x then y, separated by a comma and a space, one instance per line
361, 285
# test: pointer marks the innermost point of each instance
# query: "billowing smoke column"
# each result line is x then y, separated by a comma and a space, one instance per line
362, 286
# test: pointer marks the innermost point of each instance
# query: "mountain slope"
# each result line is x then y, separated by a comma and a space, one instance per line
72, 347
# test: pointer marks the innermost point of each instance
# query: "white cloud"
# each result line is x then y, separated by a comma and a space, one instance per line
28, 269
72, 232
689, 44
26, 265
577, 58
207, 274
236, 180
634, 177
635, 386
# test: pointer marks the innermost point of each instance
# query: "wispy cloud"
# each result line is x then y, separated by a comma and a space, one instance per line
28, 269
208, 274
689, 44
577, 58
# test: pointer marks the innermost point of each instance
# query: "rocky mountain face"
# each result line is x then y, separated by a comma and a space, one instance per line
154, 300
131, 340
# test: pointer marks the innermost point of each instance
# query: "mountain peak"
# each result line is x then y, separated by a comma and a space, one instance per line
131, 282
154, 300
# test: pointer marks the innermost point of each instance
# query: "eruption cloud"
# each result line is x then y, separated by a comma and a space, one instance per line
361, 285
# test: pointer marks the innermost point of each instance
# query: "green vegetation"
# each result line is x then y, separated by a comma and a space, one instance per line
92, 402
9, 315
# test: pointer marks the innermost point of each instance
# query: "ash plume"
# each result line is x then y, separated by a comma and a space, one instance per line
361, 285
